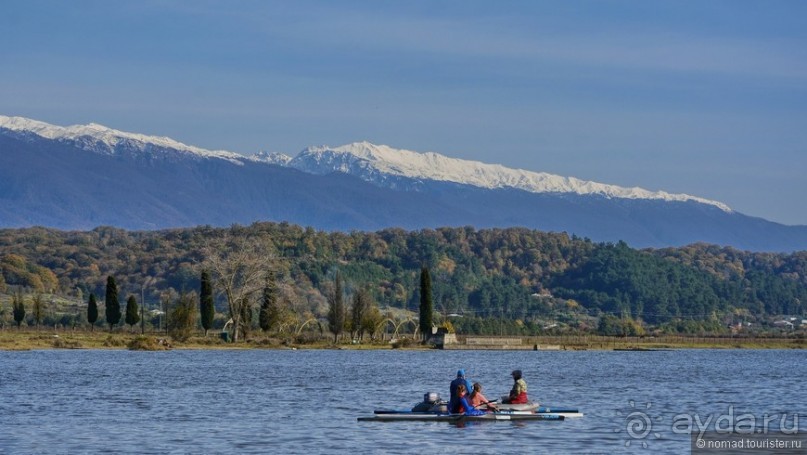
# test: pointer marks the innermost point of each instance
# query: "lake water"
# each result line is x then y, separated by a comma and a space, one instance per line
307, 401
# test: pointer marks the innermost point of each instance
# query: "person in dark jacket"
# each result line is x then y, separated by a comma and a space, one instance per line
460, 380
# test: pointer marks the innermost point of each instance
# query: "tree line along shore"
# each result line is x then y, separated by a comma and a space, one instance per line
287, 282
48, 338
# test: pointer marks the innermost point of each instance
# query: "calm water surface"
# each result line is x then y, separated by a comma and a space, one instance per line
308, 401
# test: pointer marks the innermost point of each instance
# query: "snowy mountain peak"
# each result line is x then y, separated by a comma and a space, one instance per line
278, 158
102, 139
378, 164
375, 163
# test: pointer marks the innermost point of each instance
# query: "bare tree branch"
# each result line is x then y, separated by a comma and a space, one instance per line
238, 267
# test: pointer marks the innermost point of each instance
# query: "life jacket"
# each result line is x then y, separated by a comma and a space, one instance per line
475, 400
519, 392
520, 398
460, 408
471, 411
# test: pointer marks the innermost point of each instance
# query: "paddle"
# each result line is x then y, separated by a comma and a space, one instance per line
487, 403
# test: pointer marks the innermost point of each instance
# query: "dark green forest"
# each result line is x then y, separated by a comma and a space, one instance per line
526, 280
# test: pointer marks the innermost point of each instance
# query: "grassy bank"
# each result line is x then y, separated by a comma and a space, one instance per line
12, 339
665, 342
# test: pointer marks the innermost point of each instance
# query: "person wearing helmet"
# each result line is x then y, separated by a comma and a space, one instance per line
518, 394
453, 402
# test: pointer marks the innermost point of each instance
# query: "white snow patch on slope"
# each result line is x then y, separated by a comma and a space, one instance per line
278, 158
109, 138
368, 160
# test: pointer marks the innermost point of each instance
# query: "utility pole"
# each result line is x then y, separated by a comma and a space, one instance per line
143, 304
142, 310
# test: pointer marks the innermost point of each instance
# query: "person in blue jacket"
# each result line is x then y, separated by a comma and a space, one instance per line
463, 407
460, 380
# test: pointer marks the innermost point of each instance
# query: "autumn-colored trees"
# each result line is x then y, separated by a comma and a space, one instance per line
515, 273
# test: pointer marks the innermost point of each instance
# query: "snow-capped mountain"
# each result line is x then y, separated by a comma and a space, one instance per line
377, 163
83, 176
281, 159
101, 139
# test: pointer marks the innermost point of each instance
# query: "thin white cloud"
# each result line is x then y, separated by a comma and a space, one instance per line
639, 49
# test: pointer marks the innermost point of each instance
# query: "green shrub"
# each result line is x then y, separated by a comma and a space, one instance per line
61, 343
146, 343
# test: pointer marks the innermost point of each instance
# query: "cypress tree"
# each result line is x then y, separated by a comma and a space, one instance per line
113, 313
132, 316
92, 311
361, 305
426, 308
336, 312
206, 307
18, 308
268, 316
37, 309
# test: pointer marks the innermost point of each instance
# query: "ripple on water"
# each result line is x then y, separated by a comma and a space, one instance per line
308, 401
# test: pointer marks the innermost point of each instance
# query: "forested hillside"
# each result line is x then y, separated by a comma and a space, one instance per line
520, 275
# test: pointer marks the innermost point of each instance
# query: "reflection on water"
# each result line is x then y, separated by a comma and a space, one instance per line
308, 401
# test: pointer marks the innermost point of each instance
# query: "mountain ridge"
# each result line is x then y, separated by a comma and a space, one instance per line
368, 161
77, 181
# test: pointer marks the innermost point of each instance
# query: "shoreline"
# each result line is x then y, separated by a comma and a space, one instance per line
27, 340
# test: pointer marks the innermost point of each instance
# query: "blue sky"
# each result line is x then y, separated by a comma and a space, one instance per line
700, 97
